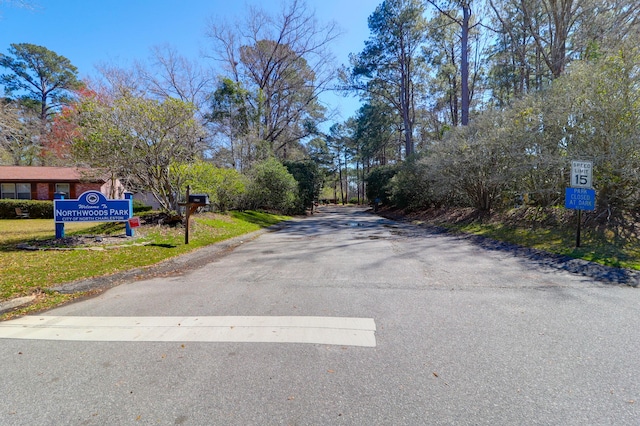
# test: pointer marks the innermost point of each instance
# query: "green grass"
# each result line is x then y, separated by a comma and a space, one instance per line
20, 230
594, 246
25, 272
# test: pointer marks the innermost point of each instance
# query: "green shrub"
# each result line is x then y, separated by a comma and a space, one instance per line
226, 187
379, 183
271, 187
37, 209
231, 187
310, 178
411, 186
140, 207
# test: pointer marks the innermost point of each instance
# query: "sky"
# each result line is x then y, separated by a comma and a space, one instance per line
119, 32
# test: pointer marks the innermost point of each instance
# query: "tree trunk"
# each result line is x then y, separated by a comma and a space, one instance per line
405, 98
346, 179
340, 177
464, 64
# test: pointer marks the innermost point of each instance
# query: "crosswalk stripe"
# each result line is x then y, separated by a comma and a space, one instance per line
257, 329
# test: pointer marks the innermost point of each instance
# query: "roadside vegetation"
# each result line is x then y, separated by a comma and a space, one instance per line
26, 272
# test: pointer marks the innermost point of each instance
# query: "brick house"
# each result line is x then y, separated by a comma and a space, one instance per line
40, 183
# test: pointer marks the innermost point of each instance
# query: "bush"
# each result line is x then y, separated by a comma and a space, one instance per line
310, 179
271, 187
37, 209
226, 187
231, 188
378, 183
140, 207
411, 187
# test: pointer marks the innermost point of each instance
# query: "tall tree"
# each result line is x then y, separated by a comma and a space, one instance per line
18, 125
39, 77
387, 69
338, 141
464, 19
374, 134
171, 75
287, 103
443, 55
284, 63
551, 34
232, 116
517, 63
565, 30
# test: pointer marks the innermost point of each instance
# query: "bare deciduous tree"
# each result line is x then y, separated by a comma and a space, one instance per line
19, 130
284, 62
171, 75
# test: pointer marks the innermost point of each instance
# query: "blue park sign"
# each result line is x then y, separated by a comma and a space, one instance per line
92, 206
580, 199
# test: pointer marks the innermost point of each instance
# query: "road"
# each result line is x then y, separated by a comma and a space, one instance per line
400, 325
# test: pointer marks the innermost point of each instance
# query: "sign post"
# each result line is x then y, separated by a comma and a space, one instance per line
59, 225
580, 196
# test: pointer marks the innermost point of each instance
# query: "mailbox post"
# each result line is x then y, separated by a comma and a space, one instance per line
193, 202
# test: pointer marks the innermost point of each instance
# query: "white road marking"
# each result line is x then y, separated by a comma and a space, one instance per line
320, 330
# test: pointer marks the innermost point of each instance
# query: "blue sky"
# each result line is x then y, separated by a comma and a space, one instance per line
90, 32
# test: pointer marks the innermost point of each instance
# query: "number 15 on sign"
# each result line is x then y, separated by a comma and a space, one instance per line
581, 174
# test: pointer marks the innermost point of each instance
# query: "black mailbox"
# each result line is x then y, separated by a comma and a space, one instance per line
199, 199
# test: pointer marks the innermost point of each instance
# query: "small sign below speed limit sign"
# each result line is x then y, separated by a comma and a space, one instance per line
581, 174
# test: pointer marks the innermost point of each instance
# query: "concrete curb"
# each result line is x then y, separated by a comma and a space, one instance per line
18, 302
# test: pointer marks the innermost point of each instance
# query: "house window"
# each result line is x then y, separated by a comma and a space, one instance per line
8, 190
64, 187
23, 191
20, 191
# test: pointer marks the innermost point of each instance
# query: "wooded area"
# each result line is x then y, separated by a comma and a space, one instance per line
464, 103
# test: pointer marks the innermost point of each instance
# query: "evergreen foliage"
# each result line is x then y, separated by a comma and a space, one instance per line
310, 178
271, 187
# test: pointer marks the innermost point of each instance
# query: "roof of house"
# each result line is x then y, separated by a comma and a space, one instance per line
47, 174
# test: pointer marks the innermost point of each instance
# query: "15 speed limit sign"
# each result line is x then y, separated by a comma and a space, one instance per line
581, 174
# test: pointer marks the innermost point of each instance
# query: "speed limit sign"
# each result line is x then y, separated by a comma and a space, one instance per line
581, 174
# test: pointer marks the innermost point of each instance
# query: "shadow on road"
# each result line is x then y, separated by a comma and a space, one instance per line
602, 273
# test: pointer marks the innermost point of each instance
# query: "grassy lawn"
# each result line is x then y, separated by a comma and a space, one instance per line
27, 272
594, 247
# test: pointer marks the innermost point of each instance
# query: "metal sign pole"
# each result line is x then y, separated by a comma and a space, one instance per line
581, 195
578, 232
187, 216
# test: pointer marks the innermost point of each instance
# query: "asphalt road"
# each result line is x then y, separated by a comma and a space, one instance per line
466, 333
